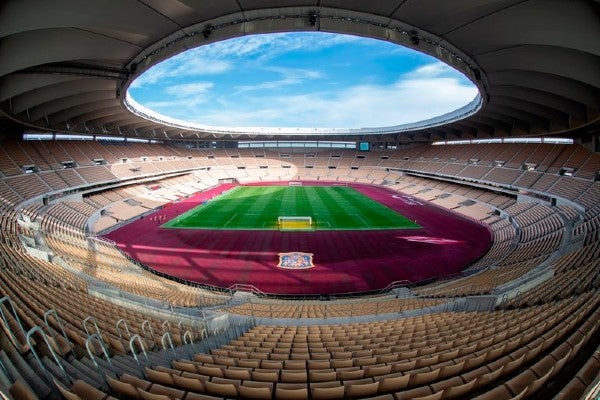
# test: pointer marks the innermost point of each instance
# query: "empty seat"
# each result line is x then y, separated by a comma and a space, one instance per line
270, 376
260, 393
81, 390
288, 393
170, 392
321, 376
189, 384
159, 377
239, 374
327, 393
184, 366
152, 396
123, 389
346, 375
500, 393
378, 370
459, 391
210, 370
361, 390
221, 389
422, 391
394, 384
424, 377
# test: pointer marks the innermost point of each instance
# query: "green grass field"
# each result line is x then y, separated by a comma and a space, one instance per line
258, 207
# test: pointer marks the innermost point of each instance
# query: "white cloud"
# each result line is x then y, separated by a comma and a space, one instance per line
289, 76
186, 67
418, 95
201, 66
189, 89
296, 73
431, 71
183, 98
221, 57
271, 45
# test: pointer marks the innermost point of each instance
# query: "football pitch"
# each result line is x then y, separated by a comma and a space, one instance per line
259, 207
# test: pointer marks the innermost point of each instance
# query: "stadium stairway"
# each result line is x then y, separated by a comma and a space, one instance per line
403, 293
37, 373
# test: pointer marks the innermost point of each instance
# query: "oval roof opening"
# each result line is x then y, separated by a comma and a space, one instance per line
304, 80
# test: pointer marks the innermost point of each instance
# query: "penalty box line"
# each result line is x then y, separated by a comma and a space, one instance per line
234, 216
321, 222
330, 217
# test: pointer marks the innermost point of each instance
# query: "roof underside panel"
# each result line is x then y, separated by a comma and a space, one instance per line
63, 62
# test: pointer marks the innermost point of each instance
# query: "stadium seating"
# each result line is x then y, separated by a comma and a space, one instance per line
539, 341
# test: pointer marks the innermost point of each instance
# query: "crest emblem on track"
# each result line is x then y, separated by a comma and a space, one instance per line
295, 260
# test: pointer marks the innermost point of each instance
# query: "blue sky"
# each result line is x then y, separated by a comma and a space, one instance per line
304, 80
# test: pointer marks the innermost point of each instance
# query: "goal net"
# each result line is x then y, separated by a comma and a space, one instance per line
295, 223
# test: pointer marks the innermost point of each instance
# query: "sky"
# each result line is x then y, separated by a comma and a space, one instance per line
302, 80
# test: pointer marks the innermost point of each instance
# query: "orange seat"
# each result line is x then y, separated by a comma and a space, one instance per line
221, 389
327, 393
260, 393
362, 390
283, 393
188, 384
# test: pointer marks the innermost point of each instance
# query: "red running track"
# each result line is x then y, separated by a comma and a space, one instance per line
345, 261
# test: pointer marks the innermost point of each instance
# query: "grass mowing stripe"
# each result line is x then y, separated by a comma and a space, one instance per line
350, 204
306, 204
350, 199
380, 214
327, 208
375, 209
257, 207
338, 210
318, 208
218, 214
183, 220
260, 208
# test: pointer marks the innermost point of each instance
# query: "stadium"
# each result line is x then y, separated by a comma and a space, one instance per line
144, 257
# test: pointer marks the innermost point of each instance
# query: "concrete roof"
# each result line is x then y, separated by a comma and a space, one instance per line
64, 64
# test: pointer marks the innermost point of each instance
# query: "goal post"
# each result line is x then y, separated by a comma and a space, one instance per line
295, 223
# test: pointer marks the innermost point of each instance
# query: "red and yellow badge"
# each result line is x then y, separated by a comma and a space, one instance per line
295, 260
